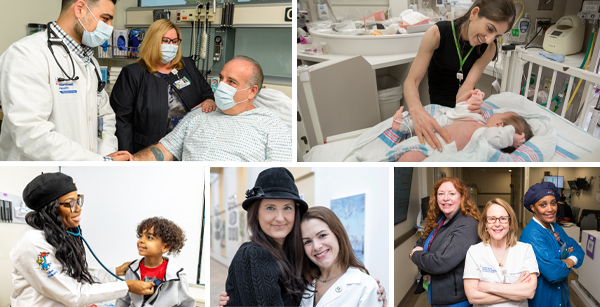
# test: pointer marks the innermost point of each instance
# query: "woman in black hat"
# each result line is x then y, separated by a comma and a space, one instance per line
267, 270
50, 267
556, 252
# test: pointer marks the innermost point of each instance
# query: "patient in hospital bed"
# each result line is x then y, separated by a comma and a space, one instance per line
503, 131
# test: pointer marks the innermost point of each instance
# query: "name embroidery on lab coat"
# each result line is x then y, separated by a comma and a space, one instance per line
65, 87
44, 264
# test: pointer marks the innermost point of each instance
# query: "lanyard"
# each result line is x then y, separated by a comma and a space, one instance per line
78, 234
462, 61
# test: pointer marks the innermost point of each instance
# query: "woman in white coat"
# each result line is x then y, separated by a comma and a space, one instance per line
500, 271
338, 277
50, 267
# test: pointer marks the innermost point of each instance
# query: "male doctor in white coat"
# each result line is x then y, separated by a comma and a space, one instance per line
54, 106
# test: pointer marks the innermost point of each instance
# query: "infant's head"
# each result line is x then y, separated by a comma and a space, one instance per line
513, 119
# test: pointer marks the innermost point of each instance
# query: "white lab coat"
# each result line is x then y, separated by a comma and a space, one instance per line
34, 286
40, 122
354, 288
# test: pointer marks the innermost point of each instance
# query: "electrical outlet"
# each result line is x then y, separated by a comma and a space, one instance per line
537, 21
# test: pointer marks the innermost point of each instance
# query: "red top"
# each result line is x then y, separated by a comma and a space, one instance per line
154, 275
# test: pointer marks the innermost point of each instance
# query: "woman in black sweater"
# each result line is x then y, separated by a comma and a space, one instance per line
152, 95
267, 270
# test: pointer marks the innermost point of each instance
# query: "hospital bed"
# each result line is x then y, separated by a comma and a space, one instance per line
572, 142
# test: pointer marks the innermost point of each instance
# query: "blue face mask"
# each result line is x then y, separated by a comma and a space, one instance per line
169, 51
224, 96
99, 36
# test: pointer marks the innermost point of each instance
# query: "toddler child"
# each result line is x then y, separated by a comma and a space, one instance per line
158, 236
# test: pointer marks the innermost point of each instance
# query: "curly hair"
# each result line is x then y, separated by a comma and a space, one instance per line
467, 205
69, 249
166, 230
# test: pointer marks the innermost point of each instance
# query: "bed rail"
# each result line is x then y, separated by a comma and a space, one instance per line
514, 75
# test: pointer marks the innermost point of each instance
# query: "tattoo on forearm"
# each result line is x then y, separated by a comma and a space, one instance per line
158, 155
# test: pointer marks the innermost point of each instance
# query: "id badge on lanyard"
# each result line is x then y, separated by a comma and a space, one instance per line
459, 74
100, 119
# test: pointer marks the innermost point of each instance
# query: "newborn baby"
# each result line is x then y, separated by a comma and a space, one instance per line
502, 130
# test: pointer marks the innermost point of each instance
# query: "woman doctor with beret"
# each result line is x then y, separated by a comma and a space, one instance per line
50, 268
556, 252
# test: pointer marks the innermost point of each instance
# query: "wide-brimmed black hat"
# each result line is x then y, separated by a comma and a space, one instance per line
46, 188
275, 183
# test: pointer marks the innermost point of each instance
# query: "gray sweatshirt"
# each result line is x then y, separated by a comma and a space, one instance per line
174, 291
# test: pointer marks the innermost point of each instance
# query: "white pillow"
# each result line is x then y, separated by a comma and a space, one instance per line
277, 102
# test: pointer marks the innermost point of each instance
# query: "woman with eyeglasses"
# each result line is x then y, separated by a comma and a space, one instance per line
50, 267
500, 271
152, 95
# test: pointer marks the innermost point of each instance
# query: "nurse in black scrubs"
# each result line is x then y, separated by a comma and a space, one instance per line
454, 55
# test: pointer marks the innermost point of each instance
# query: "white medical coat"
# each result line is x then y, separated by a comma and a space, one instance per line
40, 122
354, 288
41, 283
481, 263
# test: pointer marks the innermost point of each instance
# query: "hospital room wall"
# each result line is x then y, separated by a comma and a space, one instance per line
405, 237
32, 11
340, 182
41, 12
13, 181
585, 200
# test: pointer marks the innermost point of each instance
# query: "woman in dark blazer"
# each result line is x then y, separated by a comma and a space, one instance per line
153, 94
440, 253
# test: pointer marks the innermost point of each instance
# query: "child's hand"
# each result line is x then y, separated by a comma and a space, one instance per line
123, 268
223, 299
397, 119
518, 139
140, 287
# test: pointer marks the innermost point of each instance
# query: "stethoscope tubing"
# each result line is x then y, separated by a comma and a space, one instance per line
78, 234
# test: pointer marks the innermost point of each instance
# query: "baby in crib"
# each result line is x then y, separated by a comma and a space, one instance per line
504, 131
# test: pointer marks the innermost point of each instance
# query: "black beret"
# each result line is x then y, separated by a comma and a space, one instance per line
275, 183
46, 188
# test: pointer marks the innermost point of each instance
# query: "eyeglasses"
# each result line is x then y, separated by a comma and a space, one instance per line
166, 40
502, 219
75, 202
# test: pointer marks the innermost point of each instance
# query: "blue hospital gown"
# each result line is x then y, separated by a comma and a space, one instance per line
257, 135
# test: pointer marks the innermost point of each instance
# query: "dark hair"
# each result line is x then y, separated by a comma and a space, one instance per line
288, 256
67, 3
521, 126
467, 205
68, 248
494, 10
346, 257
166, 230
257, 77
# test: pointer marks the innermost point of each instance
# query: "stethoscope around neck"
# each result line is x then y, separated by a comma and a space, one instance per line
78, 234
53, 39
